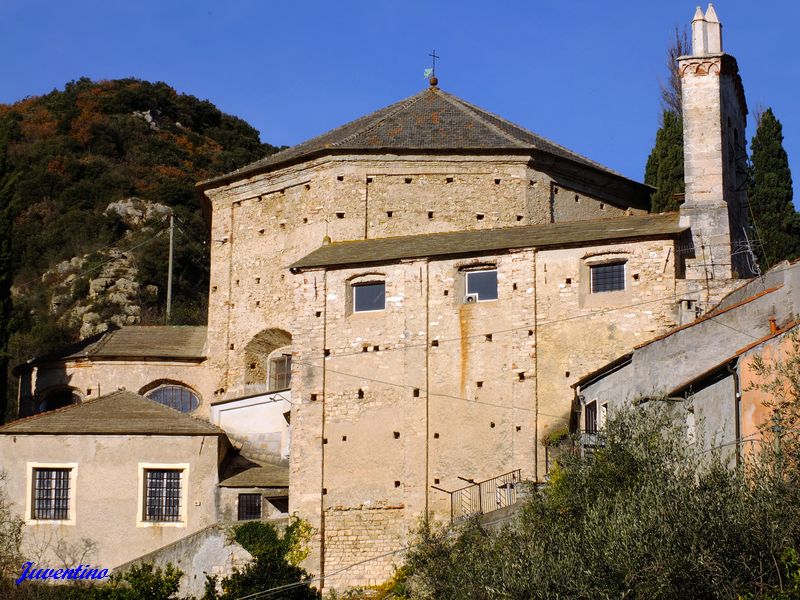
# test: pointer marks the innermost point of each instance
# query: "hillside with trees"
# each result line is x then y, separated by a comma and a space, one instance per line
88, 177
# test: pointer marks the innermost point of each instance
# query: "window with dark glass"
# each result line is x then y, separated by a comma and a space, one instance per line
481, 285
162, 495
280, 372
368, 297
175, 396
608, 277
249, 507
51, 494
590, 417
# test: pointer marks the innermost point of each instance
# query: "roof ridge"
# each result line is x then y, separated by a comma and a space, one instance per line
511, 124
396, 108
62, 409
474, 112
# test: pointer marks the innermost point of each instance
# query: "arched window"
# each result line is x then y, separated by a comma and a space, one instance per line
175, 396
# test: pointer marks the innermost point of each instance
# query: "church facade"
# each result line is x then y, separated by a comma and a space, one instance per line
399, 307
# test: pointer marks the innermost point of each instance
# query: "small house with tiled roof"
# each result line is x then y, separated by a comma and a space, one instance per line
113, 478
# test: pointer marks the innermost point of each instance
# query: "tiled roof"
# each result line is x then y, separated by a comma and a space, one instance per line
118, 413
490, 240
153, 341
242, 472
431, 120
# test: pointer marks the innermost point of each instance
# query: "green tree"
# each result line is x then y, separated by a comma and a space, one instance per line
272, 566
646, 515
776, 223
7, 181
664, 169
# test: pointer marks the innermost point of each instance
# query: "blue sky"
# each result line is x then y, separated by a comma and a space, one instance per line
583, 73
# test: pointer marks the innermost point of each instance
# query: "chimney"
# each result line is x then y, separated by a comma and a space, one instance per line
699, 33
714, 119
713, 31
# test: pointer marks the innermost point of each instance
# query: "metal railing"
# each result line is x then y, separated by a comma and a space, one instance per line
485, 496
580, 443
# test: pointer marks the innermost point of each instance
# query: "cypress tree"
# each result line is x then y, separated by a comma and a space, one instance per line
664, 170
776, 223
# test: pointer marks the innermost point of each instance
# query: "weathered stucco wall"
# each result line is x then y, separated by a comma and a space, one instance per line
107, 493
91, 379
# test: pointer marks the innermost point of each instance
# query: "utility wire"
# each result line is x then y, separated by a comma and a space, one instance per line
102, 264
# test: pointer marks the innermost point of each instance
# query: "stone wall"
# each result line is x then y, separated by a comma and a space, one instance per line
432, 390
263, 224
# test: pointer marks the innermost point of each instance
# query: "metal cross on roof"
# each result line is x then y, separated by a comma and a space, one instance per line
433, 56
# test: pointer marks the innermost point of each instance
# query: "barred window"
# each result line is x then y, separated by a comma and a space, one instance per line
175, 396
162, 495
609, 277
51, 494
249, 507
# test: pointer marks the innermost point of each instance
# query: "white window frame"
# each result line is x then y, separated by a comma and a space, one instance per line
142, 495
468, 272
593, 266
354, 286
73, 493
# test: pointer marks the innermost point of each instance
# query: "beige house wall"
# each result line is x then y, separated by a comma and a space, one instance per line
106, 493
92, 379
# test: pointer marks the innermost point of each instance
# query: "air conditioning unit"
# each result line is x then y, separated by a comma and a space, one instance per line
470, 298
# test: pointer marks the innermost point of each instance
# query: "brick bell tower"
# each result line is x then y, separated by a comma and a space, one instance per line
715, 156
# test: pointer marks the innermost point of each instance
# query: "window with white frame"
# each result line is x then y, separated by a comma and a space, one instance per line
163, 495
51, 494
608, 277
369, 296
480, 285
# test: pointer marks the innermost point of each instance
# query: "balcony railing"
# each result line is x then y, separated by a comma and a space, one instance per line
581, 443
485, 496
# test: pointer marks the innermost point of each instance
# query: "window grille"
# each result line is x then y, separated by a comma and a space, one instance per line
175, 396
249, 507
51, 494
163, 496
608, 277
280, 372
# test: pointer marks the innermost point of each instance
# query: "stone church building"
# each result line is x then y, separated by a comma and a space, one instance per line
399, 307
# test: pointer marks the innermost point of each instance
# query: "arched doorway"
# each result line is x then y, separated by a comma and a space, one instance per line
268, 360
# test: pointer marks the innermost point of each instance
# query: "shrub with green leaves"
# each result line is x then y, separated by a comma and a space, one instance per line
645, 516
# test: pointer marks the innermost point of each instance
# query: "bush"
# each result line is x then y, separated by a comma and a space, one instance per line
645, 516
270, 568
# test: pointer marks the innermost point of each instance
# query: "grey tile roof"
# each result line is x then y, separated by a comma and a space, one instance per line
153, 341
489, 241
242, 472
118, 413
431, 120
